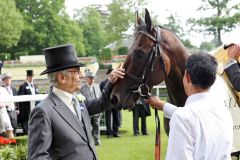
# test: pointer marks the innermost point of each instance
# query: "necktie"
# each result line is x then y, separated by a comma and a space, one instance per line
77, 107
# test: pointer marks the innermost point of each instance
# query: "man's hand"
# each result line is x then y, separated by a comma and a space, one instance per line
115, 74
155, 102
234, 51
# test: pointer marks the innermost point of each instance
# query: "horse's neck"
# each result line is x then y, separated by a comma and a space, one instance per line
174, 81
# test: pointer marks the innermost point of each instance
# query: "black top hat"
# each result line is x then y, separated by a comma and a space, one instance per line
30, 73
60, 58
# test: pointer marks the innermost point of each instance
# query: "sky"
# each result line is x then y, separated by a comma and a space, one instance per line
183, 8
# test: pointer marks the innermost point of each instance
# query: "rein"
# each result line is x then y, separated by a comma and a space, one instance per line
143, 89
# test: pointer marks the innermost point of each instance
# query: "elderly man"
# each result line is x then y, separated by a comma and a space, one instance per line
92, 90
59, 126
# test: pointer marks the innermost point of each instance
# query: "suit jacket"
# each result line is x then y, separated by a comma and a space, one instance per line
233, 73
85, 90
56, 133
25, 107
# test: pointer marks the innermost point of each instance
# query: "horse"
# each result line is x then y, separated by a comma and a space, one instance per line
156, 55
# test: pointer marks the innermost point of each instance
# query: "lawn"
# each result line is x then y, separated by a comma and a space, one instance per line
129, 147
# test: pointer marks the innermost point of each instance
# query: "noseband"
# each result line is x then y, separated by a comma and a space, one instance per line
142, 88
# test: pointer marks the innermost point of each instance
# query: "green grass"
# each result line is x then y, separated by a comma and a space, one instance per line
129, 147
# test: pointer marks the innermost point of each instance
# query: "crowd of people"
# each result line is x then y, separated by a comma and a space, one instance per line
12, 114
63, 126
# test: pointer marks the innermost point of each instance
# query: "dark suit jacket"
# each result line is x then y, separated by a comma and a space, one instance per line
233, 73
24, 107
56, 133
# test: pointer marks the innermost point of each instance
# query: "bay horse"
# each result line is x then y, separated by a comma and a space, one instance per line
156, 55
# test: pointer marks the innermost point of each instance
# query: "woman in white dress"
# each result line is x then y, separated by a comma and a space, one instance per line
5, 123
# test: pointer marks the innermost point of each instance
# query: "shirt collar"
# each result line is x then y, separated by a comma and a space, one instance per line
62, 94
196, 97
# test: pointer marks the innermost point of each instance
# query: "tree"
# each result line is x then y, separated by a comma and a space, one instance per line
11, 24
91, 21
174, 25
226, 17
46, 25
121, 17
207, 46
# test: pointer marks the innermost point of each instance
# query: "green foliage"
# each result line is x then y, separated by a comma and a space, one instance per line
174, 25
187, 43
47, 25
91, 21
5, 56
122, 51
11, 24
18, 54
119, 20
106, 54
226, 17
15, 152
207, 46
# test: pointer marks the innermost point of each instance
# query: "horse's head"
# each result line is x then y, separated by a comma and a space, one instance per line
147, 64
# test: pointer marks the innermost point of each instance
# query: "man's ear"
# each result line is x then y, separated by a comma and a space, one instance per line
61, 78
188, 78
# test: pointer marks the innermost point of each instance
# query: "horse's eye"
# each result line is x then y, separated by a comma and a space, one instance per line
139, 55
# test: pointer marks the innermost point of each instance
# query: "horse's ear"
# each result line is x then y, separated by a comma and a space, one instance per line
148, 20
139, 20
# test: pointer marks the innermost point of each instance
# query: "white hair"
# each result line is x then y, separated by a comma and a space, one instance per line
52, 77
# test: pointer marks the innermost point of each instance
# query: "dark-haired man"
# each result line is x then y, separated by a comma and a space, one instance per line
202, 129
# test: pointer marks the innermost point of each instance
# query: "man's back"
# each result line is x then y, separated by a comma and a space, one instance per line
201, 130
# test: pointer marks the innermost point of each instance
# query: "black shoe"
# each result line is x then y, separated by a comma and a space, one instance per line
116, 135
136, 134
98, 143
109, 136
144, 134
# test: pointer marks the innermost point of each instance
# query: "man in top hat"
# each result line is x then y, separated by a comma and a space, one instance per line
11, 107
92, 90
59, 126
27, 88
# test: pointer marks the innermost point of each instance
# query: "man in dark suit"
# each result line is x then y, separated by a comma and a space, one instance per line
232, 69
91, 90
59, 126
111, 115
11, 108
141, 110
27, 88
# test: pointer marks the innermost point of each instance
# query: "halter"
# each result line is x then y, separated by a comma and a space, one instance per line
142, 88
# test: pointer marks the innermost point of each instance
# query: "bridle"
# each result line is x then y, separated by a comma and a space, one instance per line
142, 88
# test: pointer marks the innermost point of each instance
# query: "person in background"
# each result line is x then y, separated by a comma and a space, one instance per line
59, 126
11, 108
203, 128
232, 69
111, 115
141, 110
27, 88
91, 90
5, 123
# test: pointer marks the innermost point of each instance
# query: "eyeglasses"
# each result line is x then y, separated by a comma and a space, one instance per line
76, 71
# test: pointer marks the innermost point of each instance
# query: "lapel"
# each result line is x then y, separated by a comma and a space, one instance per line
71, 119
85, 119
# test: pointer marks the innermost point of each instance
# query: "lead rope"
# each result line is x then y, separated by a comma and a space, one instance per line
157, 119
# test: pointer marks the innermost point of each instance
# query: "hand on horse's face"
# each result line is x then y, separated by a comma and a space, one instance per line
234, 51
155, 102
115, 74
